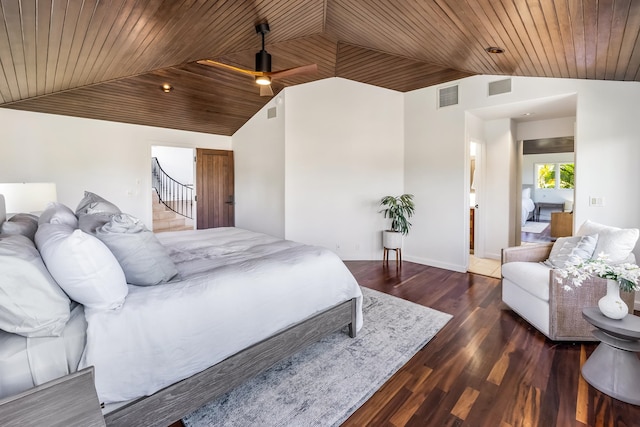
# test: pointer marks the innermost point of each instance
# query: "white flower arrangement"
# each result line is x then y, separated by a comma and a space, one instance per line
627, 275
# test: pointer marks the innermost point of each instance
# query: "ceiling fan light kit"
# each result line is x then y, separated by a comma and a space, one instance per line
263, 80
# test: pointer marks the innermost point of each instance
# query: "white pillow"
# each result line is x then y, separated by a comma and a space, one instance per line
571, 250
617, 243
143, 259
526, 193
91, 203
82, 265
57, 213
31, 303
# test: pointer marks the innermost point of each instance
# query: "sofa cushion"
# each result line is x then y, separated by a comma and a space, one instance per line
616, 242
533, 277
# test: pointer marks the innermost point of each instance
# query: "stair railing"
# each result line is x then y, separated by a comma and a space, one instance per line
174, 195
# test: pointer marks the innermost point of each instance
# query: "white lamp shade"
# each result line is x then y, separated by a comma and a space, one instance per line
28, 196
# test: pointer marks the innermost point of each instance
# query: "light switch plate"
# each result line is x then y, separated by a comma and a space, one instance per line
596, 201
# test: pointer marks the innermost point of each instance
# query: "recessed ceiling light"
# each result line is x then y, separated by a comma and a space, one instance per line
527, 114
166, 87
494, 49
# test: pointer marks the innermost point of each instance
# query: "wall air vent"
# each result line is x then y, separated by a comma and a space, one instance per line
448, 96
271, 112
499, 86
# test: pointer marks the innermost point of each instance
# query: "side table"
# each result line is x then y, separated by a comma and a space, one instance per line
613, 367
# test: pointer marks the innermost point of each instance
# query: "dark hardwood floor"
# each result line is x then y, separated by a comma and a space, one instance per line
486, 367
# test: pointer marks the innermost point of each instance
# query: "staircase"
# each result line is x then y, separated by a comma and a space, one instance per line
164, 219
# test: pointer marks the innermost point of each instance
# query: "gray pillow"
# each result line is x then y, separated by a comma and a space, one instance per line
571, 250
32, 303
91, 203
89, 223
22, 223
143, 259
57, 213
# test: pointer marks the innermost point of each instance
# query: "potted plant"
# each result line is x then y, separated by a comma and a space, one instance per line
399, 209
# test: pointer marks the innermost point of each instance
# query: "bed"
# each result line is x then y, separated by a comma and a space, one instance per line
528, 205
233, 302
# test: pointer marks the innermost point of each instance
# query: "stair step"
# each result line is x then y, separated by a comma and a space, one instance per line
165, 214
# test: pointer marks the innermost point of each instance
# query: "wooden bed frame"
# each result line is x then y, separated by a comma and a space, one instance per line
180, 399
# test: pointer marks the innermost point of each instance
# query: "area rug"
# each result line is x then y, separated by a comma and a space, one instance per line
325, 383
534, 227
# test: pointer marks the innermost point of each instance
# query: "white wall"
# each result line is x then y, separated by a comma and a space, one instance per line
259, 171
538, 129
498, 187
340, 152
344, 152
108, 158
436, 172
607, 152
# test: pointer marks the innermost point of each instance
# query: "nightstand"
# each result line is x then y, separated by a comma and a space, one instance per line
561, 224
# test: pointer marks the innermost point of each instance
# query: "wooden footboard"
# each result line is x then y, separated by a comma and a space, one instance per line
174, 402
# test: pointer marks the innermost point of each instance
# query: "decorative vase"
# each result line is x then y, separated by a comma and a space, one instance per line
611, 305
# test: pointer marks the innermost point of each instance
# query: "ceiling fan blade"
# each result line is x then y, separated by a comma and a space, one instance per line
266, 90
311, 68
212, 63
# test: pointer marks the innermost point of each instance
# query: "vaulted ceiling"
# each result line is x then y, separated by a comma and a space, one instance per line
108, 59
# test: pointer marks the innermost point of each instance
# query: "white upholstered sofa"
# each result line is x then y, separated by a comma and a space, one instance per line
531, 289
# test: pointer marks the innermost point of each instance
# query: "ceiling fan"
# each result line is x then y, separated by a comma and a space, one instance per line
263, 74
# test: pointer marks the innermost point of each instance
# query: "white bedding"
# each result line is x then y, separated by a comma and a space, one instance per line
527, 207
27, 362
235, 288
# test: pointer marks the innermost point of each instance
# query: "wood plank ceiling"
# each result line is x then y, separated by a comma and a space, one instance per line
106, 59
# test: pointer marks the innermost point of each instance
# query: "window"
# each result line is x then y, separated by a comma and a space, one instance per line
555, 175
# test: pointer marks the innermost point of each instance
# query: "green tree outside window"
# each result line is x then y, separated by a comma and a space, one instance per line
555, 175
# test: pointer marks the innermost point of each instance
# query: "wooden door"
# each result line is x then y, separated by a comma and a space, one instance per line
214, 188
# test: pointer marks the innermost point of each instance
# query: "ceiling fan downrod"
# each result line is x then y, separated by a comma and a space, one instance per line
263, 58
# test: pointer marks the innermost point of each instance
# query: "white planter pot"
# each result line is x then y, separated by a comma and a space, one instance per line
391, 239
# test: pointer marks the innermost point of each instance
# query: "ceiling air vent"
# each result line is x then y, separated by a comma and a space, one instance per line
448, 96
499, 86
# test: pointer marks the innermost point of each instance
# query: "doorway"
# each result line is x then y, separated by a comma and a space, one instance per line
172, 194
478, 264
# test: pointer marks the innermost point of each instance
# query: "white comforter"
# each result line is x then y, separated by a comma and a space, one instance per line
528, 206
235, 288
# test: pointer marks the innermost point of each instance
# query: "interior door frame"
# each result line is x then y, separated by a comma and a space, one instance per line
479, 220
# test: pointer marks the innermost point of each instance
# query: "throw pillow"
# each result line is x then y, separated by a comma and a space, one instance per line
91, 203
82, 265
21, 223
89, 223
57, 213
571, 250
616, 242
143, 259
32, 303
